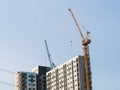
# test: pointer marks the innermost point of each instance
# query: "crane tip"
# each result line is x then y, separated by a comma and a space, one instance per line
69, 9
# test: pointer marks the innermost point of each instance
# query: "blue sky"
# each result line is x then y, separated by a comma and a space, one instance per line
25, 24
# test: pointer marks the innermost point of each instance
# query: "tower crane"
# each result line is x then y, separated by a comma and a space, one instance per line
85, 42
52, 65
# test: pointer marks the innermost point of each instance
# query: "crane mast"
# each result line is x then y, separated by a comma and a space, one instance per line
85, 43
52, 65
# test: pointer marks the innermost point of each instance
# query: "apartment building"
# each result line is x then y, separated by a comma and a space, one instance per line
35, 80
25, 81
41, 77
68, 76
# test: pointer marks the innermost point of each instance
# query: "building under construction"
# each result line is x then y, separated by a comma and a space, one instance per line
68, 76
75, 74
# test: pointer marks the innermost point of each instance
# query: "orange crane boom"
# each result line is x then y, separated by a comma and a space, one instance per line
85, 43
76, 24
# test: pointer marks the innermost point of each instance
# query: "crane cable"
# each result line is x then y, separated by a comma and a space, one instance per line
7, 83
7, 71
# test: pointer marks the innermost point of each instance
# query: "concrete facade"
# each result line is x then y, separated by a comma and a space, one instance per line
35, 80
41, 77
68, 76
25, 81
